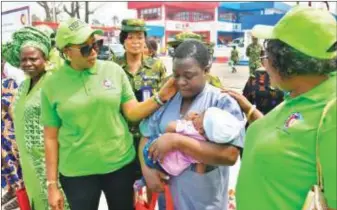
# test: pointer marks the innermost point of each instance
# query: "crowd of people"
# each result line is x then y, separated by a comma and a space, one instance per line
77, 126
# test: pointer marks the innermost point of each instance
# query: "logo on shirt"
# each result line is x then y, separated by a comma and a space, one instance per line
293, 119
107, 84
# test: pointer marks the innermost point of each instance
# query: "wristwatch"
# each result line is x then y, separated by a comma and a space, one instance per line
157, 99
48, 183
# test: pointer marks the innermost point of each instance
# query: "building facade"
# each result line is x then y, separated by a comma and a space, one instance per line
218, 22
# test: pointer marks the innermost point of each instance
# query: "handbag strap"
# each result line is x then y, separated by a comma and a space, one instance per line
168, 199
318, 163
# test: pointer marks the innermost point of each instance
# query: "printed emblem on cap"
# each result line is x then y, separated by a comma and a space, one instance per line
76, 25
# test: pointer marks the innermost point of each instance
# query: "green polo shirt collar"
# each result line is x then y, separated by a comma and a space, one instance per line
316, 94
71, 71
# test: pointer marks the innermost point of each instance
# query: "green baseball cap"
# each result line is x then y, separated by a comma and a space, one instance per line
130, 25
73, 31
309, 30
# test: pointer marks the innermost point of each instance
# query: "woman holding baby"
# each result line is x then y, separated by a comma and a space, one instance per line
192, 188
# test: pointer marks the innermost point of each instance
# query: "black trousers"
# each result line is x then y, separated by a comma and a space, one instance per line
84, 192
138, 170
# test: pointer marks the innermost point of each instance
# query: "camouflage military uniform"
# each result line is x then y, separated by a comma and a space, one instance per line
145, 82
254, 52
235, 56
150, 75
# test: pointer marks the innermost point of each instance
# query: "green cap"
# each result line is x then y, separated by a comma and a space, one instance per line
130, 25
308, 30
73, 31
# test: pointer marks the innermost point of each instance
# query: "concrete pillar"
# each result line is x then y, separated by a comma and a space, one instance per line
163, 20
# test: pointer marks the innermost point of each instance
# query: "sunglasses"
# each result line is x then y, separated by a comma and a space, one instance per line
86, 49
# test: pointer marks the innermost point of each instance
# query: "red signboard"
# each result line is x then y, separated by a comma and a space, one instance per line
182, 5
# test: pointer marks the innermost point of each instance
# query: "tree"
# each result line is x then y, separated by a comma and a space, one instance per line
96, 22
35, 18
88, 12
115, 20
74, 10
49, 10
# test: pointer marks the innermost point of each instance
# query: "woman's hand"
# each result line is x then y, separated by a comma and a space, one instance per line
55, 198
242, 100
168, 90
153, 179
163, 145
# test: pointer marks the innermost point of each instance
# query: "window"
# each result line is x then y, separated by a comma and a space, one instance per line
150, 13
227, 16
191, 16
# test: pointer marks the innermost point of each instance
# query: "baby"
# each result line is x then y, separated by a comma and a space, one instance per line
215, 125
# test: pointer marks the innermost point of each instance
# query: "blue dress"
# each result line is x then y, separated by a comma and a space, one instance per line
191, 190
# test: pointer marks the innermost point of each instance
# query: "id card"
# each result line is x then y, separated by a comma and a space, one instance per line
146, 94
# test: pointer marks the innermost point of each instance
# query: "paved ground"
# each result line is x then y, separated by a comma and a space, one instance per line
235, 81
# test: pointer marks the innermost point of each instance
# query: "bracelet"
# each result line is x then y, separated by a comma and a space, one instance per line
157, 99
48, 183
251, 110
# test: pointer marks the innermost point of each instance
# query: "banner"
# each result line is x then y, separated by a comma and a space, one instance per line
13, 20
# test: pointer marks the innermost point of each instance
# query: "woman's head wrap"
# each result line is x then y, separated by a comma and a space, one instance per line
25, 37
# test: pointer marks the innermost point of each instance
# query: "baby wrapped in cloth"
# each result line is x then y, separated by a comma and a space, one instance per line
215, 125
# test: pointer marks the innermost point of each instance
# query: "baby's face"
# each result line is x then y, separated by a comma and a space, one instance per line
197, 120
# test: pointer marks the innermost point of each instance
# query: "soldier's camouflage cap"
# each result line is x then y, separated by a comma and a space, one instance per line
184, 36
130, 25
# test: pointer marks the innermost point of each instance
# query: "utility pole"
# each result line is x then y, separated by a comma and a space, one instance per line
54, 11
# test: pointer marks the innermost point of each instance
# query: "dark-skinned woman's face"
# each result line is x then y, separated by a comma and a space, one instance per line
32, 61
190, 77
134, 43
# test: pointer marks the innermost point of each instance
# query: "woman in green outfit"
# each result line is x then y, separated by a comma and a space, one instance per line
29, 51
283, 148
88, 143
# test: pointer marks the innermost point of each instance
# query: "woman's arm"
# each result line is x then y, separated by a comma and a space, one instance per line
135, 111
245, 105
52, 148
152, 177
205, 152
55, 197
327, 154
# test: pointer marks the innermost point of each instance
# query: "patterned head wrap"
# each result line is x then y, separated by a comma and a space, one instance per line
25, 37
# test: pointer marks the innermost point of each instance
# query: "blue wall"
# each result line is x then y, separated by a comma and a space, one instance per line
260, 5
155, 31
248, 22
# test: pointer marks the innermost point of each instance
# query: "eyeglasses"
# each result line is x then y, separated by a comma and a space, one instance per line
86, 49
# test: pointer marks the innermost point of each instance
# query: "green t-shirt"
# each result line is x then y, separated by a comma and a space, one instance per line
279, 160
86, 107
